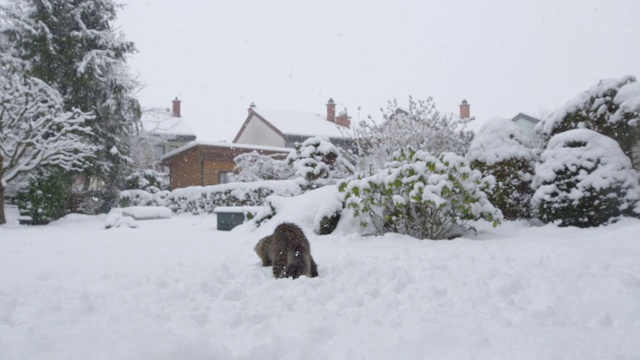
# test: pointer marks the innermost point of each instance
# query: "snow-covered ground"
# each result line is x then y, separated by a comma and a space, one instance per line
179, 289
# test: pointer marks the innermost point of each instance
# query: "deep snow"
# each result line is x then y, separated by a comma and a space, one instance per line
179, 289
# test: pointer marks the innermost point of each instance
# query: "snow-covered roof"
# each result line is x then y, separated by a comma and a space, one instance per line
300, 123
162, 121
477, 124
223, 144
523, 116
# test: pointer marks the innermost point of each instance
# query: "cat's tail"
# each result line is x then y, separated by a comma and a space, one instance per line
296, 264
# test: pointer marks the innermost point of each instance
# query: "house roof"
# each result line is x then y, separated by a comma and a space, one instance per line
526, 117
287, 122
223, 145
162, 122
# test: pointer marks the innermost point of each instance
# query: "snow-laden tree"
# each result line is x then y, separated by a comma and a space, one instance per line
35, 129
611, 107
72, 46
147, 173
319, 162
584, 180
422, 195
256, 167
418, 127
502, 150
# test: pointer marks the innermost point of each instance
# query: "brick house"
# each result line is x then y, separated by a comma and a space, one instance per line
268, 132
202, 163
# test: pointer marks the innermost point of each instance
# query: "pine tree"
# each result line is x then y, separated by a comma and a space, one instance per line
72, 46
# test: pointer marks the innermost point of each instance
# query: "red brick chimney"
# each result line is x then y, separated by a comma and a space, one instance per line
343, 120
465, 111
176, 108
331, 111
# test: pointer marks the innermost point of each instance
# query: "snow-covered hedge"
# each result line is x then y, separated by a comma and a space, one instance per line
422, 196
148, 180
584, 180
203, 199
502, 150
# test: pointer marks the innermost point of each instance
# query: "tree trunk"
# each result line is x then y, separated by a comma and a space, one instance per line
2, 217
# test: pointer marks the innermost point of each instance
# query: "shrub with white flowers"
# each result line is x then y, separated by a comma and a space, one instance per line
423, 196
584, 180
254, 166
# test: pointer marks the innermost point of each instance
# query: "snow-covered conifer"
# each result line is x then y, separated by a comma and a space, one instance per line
502, 150
319, 162
611, 107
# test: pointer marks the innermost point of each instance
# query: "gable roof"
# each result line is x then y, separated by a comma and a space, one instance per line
285, 122
162, 122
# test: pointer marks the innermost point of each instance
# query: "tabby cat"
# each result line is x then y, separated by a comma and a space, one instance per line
288, 251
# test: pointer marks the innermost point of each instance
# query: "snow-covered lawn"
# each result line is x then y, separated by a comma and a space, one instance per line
179, 289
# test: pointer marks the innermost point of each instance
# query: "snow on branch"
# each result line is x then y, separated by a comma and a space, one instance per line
35, 130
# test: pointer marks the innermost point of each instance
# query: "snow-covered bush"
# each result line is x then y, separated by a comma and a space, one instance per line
149, 180
611, 107
502, 150
136, 197
203, 199
584, 180
319, 208
255, 167
422, 196
319, 162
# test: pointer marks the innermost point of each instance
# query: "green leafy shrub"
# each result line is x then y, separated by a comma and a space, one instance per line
422, 196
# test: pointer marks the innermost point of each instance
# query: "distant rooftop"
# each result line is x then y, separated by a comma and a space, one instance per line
162, 121
300, 123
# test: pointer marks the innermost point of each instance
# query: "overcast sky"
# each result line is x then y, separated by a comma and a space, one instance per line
504, 57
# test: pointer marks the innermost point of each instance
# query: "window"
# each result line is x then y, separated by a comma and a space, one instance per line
224, 177
159, 151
